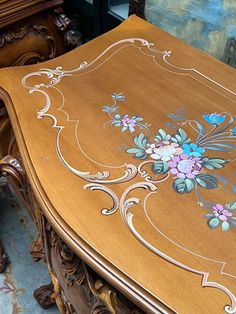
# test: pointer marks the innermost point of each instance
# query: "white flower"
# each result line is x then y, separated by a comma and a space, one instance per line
166, 152
150, 149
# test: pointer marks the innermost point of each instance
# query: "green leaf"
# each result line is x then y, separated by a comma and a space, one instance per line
182, 133
162, 136
180, 137
213, 163
201, 130
141, 141
233, 222
213, 223
233, 206
225, 226
209, 215
183, 185
207, 181
162, 133
160, 167
138, 153
132, 150
138, 119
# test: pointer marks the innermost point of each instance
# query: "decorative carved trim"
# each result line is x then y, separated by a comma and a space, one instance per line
45, 296
3, 111
12, 11
37, 251
4, 260
12, 166
137, 7
28, 58
60, 20
9, 165
28, 30
70, 39
62, 23
101, 297
61, 300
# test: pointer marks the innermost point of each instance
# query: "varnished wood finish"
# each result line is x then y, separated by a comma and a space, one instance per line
163, 267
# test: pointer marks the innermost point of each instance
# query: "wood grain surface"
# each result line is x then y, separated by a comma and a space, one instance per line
157, 247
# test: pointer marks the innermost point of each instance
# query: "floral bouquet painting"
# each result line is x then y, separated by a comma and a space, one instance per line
185, 159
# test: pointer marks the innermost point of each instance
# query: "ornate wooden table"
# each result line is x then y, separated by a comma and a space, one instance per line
128, 152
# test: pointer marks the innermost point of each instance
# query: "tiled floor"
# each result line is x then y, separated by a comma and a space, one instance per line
23, 276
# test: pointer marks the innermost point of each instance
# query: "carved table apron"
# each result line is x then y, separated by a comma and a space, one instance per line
129, 146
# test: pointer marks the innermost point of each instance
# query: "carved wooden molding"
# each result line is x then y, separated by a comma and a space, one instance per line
62, 23
12, 11
28, 30
101, 297
28, 58
12, 166
37, 251
63, 304
9, 165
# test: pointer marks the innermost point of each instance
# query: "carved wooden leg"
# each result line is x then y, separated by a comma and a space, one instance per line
4, 261
45, 296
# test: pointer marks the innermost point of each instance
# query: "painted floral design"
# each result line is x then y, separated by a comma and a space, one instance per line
129, 123
233, 130
185, 166
185, 159
214, 118
222, 216
193, 150
163, 150
126, 122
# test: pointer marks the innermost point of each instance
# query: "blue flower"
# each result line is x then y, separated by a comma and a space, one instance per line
233, 130
193, 150
214, 118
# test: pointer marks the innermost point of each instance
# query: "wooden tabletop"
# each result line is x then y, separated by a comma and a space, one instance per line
130, 143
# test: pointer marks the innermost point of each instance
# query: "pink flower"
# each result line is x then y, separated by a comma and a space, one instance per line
220, 212
185, 166
128, 123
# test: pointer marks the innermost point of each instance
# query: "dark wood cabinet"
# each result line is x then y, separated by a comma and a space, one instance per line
33, 31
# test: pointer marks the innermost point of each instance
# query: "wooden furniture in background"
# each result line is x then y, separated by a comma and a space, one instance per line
33, 31
124, 151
